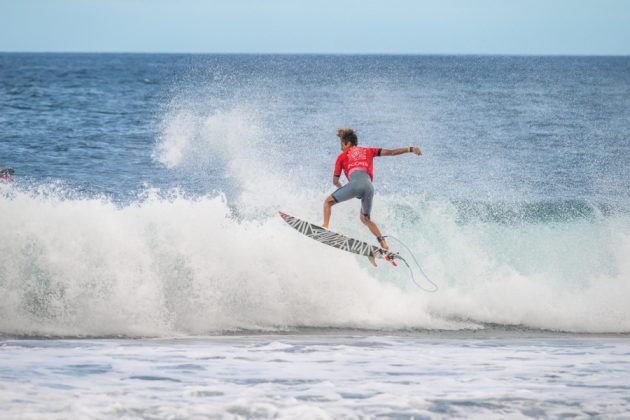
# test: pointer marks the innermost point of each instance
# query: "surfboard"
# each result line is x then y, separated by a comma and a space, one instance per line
339, 241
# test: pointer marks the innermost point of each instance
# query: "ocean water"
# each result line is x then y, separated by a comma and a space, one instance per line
145, 273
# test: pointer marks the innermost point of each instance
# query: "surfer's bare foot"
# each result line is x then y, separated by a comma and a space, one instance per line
382, 242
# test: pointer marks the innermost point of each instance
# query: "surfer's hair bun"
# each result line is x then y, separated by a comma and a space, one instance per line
347, 135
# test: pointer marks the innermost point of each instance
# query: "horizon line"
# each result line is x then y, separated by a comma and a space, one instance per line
331, 53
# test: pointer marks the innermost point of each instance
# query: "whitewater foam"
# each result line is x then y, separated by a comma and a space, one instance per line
179, 265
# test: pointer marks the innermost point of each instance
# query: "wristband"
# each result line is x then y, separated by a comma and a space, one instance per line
409, 151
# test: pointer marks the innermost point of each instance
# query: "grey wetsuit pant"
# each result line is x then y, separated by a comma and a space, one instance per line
360, 186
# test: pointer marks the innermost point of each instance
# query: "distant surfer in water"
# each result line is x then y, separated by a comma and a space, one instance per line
356, 163
6, 174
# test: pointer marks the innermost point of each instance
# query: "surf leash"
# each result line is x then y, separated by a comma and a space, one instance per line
413, 278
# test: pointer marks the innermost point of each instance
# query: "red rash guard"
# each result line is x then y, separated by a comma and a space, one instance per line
356, 158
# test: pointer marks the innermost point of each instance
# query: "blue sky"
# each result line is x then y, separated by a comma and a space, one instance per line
327, 26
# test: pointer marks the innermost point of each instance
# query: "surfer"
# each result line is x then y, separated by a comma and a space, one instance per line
356, 163
6, 174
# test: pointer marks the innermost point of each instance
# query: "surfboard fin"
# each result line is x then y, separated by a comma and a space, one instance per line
372, 260
391, 260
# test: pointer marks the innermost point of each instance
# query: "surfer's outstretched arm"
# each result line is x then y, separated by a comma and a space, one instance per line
395, 152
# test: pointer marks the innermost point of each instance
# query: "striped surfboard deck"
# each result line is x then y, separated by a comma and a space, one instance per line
337, 240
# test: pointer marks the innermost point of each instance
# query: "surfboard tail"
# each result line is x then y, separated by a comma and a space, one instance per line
390, 259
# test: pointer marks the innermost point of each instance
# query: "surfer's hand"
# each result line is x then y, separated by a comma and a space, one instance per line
416, 150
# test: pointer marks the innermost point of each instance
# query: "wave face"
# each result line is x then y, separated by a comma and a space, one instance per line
171, 263
178, 233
